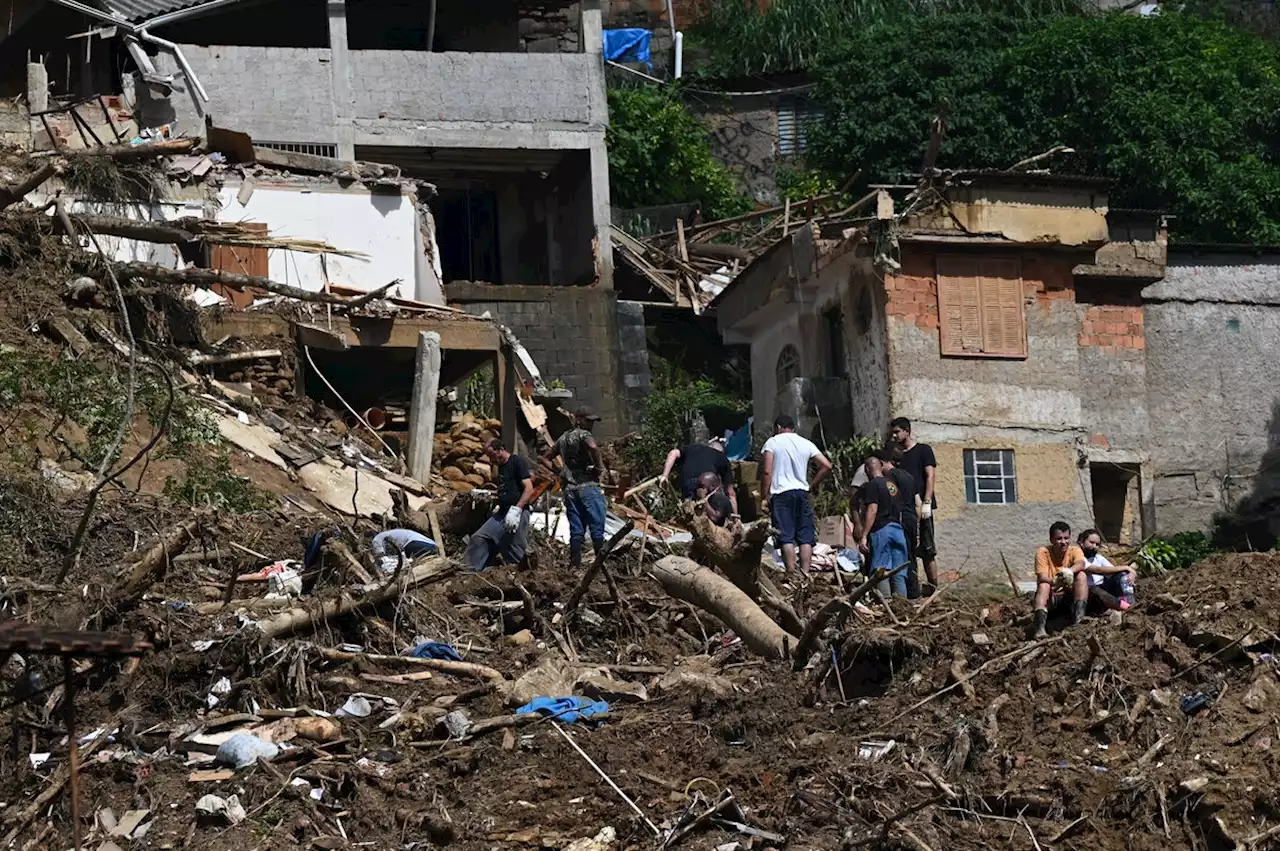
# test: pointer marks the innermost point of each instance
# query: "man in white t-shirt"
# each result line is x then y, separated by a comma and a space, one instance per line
786, 487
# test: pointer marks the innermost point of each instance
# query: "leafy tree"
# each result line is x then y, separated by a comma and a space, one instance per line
1182, 112
659, 154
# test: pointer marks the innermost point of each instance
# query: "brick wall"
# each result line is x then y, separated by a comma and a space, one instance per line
1112, 327
579, 335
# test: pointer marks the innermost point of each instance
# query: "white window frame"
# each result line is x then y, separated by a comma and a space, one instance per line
990, 477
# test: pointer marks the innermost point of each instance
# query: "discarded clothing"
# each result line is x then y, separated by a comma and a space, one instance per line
243, 749
627, 45
411, 543
435, 650
566, 709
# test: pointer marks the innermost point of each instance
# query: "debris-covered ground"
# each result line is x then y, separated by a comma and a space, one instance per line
937, 726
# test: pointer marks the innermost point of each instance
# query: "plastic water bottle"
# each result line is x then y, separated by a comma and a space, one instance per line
1126, 589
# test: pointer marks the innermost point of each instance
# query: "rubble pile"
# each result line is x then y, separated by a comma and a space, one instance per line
193, 668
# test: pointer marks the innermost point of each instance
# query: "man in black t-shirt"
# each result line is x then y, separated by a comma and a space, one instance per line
506, 533
697, 459
908, 510
918, 460
717, 508
883, 541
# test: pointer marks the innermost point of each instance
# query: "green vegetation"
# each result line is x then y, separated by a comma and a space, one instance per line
797, 35
832, 495
1180, 109
659, 154
1182, 112
207, 480
673, 402
1175, 553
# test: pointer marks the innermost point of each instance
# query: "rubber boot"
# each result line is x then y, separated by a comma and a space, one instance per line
575, 555
1041, 619
1077, 611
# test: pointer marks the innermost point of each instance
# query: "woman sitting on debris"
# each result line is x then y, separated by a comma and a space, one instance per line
1110, 587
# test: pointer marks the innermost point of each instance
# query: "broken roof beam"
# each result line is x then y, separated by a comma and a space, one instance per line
209, 277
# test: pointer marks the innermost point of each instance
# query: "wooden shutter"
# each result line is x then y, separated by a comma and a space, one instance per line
240, 260
959, 306
1003, 311
980, 307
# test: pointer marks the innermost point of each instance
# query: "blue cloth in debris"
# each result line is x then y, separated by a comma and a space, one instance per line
738, 445
566, 709
435, 650
312, 556
629, 45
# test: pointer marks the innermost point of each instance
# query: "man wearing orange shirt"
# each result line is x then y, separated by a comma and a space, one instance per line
1061, 564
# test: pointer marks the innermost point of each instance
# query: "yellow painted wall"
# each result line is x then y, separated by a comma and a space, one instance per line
1046, 472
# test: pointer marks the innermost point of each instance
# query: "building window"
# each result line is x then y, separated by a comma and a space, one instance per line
319, 149
981, 311
989, 477
795, 117
788, 366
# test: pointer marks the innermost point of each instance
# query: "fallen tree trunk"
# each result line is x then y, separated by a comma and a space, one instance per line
155, 561
445, 666
736, 552
209, 277
10, 195
691, 582
299, 619
127, 152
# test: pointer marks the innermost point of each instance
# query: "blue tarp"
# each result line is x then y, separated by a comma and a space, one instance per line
630, 45
566, 709
739, 443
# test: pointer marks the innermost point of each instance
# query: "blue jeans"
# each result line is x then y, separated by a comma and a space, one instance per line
793, 517
889, 550
585, 508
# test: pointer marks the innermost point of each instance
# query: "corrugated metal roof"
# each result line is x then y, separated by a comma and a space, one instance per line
141, 10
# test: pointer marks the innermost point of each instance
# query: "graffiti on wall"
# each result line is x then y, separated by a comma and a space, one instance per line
747, 142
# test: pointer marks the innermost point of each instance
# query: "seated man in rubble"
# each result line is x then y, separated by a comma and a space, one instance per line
710, 496
1060, 569
1110, 586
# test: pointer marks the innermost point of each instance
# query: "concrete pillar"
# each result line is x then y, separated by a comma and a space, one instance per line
422, 407
37, 87
600, 211
340, 68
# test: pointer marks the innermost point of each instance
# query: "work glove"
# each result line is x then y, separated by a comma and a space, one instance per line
512, 521
926, 511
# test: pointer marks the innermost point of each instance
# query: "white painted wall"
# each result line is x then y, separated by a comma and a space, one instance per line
399, 243
383, 227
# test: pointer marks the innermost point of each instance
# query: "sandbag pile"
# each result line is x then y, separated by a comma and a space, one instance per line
459, 453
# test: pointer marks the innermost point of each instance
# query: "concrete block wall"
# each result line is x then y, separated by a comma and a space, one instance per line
1212, 377
480, 87
576, 335
275, 94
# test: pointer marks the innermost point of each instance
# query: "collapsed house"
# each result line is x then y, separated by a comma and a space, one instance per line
1041, 342
500, 109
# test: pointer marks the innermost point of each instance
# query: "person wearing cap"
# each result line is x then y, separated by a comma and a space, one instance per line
697, 459
582, 466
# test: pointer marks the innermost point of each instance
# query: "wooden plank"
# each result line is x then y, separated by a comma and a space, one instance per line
240, 260
456, 334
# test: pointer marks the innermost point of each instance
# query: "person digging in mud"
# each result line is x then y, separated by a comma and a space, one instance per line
506, 533
1110, 586
717, 508
580, 477
696, 460
1060, 565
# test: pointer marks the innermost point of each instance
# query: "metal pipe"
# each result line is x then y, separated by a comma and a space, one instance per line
679, 55
431, 26
181, 14
187, 70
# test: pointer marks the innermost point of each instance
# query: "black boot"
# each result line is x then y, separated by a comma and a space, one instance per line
1077, 611
575, 555
1041, 618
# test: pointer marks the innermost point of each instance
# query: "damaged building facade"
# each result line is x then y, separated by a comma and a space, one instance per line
1037, 341
497, 112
